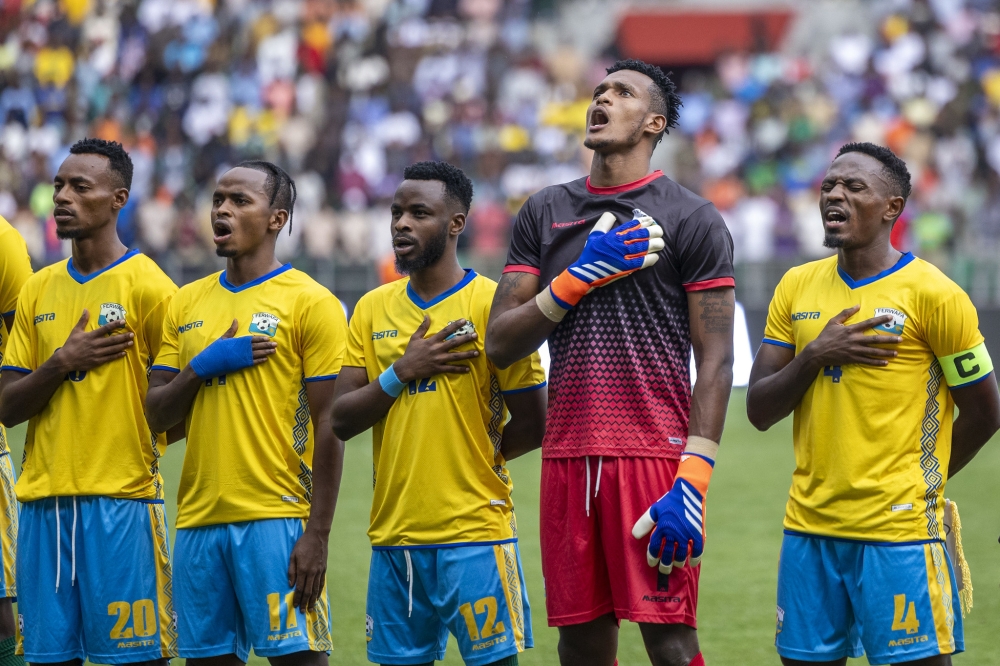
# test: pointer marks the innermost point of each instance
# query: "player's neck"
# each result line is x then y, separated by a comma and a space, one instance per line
612, 169
865, 262
97, 252
248, 267
438, 278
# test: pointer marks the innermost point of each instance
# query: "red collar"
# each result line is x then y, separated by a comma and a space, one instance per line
618, 189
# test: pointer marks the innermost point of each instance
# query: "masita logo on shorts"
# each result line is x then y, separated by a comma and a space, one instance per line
896, 325
264, 323
110, 312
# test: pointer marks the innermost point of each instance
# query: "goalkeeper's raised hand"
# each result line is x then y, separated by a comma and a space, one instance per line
678, 518
609, 255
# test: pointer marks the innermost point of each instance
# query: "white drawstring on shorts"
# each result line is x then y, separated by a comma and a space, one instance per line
72, 547
409, 578
597, 486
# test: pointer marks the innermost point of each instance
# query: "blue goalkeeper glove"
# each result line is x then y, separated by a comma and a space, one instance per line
609, 255
223, 356
678, 518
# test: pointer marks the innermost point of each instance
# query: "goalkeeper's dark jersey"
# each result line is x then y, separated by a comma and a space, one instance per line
619, 381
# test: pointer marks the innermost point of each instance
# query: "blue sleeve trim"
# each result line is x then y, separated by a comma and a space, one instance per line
164, 367
320, 378
525, 389
15, 368
778, 343
972, 383
7, 314
890, 544
465, 544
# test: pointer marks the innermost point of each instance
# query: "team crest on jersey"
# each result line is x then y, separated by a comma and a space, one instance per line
369, 627
110, 312
896, 325
468, 328
264, 323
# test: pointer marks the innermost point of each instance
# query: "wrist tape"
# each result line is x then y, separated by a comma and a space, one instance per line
390, 382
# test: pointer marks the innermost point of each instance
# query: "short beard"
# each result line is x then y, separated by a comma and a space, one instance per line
68, 234
430, 256
228, 254
834, 242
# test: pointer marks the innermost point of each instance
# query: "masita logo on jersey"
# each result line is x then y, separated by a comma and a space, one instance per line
110, 312
896, 325
264, 323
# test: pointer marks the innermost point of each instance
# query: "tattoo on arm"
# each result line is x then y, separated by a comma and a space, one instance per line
509, 283
716, 311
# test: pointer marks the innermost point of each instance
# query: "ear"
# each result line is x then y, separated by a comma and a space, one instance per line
279, 219
120, 199
655, 123
456, 225
894, 209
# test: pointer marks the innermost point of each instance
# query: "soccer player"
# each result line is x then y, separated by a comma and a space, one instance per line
249, 360
93, 576
445, 421
871, 349
623, 425
15, 269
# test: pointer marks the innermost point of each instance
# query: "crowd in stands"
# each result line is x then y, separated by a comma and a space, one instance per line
345, 93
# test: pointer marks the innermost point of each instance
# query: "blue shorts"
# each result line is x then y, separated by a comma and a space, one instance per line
840, 598
232, 592
94, 581
8, 525
417, 595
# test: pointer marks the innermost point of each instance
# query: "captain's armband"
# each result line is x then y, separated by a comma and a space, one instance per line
967, 367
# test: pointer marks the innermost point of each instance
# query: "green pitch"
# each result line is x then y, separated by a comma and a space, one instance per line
745, 508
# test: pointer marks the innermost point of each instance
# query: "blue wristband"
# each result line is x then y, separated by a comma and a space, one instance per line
390, 382
223, 356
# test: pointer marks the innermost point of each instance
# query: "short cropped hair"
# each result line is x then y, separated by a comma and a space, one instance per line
279, 186
663, 93
121, 163
894, 168
457, 185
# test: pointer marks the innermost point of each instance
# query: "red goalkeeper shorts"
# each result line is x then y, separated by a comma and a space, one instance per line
591, 563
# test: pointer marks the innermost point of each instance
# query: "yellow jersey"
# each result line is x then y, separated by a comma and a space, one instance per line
439, 476
872, 444
249, 434
92, 437
15, 269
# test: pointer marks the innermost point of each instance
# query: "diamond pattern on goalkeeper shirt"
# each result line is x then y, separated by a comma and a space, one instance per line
619, 383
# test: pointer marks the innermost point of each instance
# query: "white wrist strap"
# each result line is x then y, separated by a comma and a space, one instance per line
549, 307
702, 446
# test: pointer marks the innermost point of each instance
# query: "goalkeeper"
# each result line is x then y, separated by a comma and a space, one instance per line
620, 326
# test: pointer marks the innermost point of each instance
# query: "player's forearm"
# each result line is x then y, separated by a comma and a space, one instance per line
772, 398
517, 333
522, 436
970, 432
25, 395
169, 404
328, 467
359, 410
710, 399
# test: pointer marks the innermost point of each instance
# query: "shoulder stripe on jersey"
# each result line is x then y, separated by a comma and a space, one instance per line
15, 368
164, 367
252, 283
522, 268
320, 378
626, 187
81, 278
470, 275
525, 389
854, 284
778, 343
714, 283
